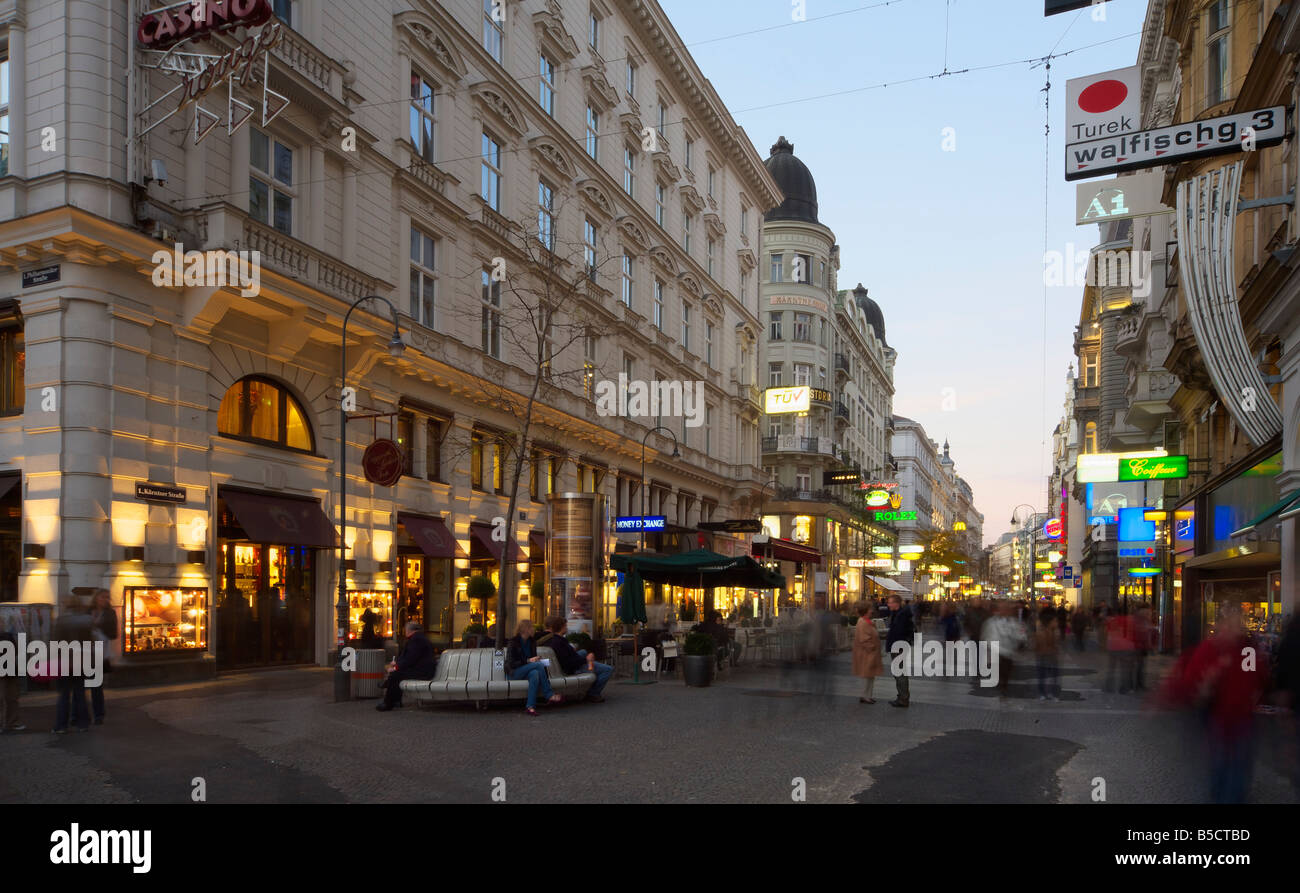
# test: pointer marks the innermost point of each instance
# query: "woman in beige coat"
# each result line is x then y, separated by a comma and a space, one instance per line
867, 661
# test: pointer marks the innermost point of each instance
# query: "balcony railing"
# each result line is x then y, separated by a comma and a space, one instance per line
841, 411
842, 363
795, 443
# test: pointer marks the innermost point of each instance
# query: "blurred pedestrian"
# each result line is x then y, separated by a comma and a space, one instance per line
9, 690
976, 614
1063, 621
1217, 679
1287, 679
1079, 626
1005, 629
901, 629
70, 682
1120, 649
1143, 635
103, 623
1047, 641
948, 623
1100, 619
867, 662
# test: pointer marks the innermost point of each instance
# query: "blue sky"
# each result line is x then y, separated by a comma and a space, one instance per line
949, 243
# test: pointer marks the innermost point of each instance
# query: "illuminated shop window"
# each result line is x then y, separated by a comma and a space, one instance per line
165, 619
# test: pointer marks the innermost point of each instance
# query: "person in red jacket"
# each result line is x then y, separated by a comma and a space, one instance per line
1120, 647
1223, 677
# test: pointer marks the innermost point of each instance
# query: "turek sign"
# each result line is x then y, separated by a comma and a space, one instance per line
1102, 105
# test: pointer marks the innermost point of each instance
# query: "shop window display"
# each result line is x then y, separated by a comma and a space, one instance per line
165, 619
379, 603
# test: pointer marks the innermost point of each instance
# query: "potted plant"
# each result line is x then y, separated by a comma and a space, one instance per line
480, 586
538, 590
469, 638
699, 654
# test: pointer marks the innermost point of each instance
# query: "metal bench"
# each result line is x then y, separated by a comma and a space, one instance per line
479, 675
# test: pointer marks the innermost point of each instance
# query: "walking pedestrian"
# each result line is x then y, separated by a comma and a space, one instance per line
9, 690
1079, 626
1287, 679
867, 662
1005, 631
901, 629
70, 684
1120, 648
1143, 635
1047, 641
103, 624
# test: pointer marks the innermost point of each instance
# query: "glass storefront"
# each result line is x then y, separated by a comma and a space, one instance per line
11, 535
379, 604
424, 597
265, 613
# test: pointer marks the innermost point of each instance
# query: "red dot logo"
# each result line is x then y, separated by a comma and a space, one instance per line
1102, 96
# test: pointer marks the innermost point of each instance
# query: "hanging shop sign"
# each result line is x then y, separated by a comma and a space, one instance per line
1168, 468
1052, 529
734, 525
1120, 198
1102, 105
1097, 468
383, 463
1244, 131
895, 516
882, 495
1055, 7
832, 478
782, 400
199, 18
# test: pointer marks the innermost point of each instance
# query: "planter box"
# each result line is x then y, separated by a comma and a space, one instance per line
697, 669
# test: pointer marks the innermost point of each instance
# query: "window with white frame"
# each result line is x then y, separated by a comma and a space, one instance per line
593, 133
1216, 67
708, 343
424, 277
712, 176
491, 301
778, 267
709, 249
270, 181
4, 111
744, 221
659, 304
690, 152
660, 197
629, 170
661, 124
802, 375
589, 247
546, 84
803, 271
687, 224
490, 186
593, 32
629, 366
423, 121
589, 366
629, 280
775, 318
686, 325
494, 20
546, 215
631, 78
708, 430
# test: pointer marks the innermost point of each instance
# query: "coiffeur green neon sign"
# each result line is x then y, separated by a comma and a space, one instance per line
1168, 468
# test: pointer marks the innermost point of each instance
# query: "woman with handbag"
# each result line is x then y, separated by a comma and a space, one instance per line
867, 660
523, 663
103, 623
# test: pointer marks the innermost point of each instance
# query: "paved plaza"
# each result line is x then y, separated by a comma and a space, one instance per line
275, 736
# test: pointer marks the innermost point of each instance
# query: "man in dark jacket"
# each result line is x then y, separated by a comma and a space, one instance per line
901, 629
572, 660
718, 632
416, 661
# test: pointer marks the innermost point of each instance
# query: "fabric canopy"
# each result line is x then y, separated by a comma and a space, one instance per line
886, 583
787, 550
432, 536
281, 520
482, 534
1266, 518
700, 569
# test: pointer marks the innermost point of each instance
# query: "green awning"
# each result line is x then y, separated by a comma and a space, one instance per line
1292, 499
700, 569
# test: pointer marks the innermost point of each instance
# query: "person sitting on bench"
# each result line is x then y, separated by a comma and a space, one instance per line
523, 663
713, 626
571, 659
417, 661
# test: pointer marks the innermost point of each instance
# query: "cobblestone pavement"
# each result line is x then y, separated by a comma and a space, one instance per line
276, 736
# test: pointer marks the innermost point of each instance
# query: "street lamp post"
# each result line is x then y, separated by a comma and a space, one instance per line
1029, 566
677, 454
395, 348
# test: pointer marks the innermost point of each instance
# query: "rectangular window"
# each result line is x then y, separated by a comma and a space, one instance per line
4, 115
283, 10
593, 32
629, 366
490, 186
589, 366
659, 203
690, 152
433, 450
821, 274
802, 375
629, 171
491, 301
709, 249
13, 367
546, 84
712, 174
744, 221
593, 133
775, 375
476, 447
821, 377
631, 79
686, 325
661, 125
270, 182
423, 122
708, 343
532, 477
708, 430
546, 215
824, 339
659, 304
774, 330
494, 20
686, 232
778, 269
424, 277
628, 280
1216, 67
1090, 368
803, 328
589, 247
406, 440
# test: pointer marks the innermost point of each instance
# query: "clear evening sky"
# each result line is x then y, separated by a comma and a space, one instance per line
950, 243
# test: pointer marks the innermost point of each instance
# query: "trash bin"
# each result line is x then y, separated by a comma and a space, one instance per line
369, 672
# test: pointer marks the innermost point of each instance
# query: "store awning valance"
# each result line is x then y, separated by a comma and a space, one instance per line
482, 534
787, 550
281, 520
537, 540
1270, 515
432, 536
7, 483
887, 583
700, 569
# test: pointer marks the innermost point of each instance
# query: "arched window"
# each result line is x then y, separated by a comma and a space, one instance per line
1090, 438
262, 411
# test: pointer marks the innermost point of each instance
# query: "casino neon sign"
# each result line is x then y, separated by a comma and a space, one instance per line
199, 18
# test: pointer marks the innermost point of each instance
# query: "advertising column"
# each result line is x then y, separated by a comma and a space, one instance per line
576, 559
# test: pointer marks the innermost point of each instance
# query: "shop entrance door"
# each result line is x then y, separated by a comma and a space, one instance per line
266, 608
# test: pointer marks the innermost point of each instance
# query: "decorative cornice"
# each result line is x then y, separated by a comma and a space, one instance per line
600, 92
632, 232
546, 152
595, 199
549, 24
664, 164
426, 35
492, 102
664, 259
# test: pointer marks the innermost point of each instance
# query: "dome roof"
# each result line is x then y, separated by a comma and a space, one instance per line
796, 183
874, 314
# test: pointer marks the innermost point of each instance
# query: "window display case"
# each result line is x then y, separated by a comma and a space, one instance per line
165, 619
379, 603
